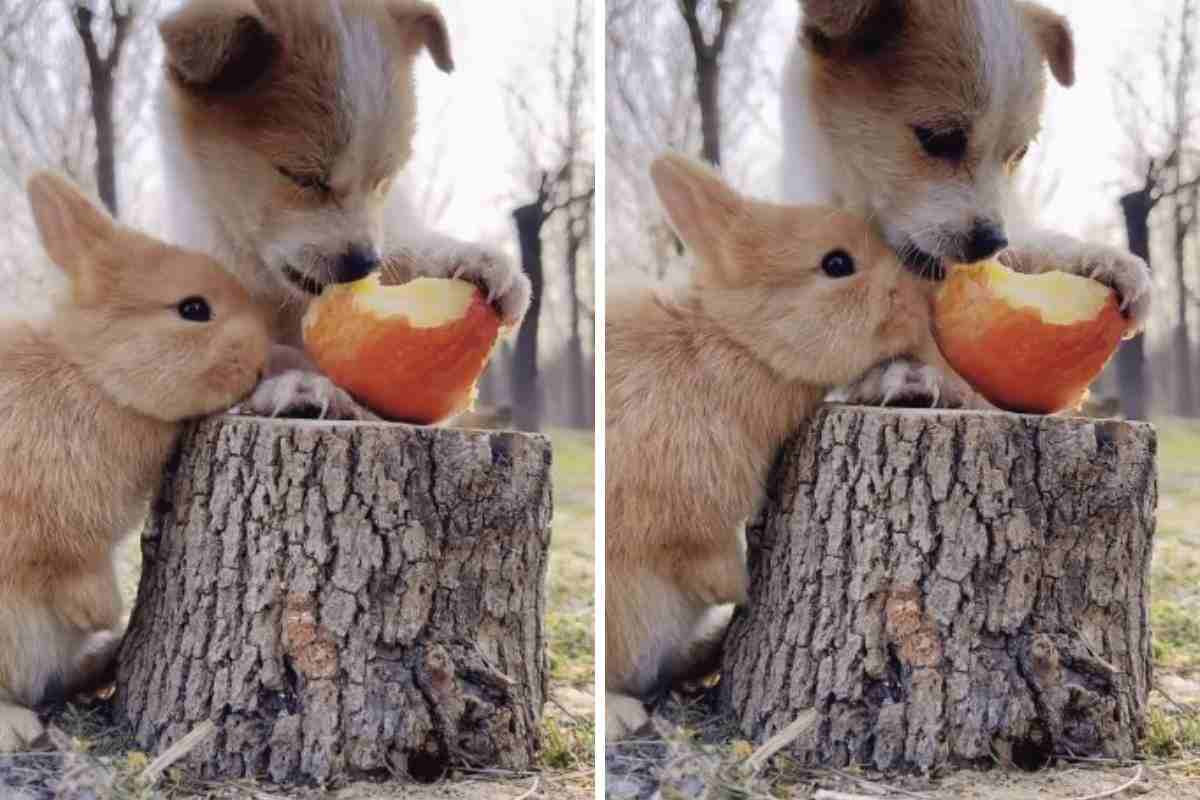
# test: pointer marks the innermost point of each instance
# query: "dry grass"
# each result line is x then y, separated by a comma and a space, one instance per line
693, 755
90, 759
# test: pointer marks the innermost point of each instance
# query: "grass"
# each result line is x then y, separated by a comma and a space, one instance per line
1175, 574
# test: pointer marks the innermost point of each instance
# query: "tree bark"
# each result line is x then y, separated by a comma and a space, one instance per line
948, 588
1131, 357
527, 388
343, 601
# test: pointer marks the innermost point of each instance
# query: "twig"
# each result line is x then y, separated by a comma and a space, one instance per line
791, 733
879, 787
532, 789
177, 751
1113, 792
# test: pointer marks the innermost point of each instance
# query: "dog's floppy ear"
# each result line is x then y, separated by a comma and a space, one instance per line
701, 207
221, 46
1053, 35
863, 25
422, 25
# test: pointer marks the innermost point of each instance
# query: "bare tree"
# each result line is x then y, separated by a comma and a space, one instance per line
557, 156
102, 75
1161, 143
708, 52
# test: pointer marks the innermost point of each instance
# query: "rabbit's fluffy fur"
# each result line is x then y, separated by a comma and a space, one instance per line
91, 402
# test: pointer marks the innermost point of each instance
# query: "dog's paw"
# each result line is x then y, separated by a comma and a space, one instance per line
304, 395
623, 716
19, 729
1124, 272
506, 287
907, 384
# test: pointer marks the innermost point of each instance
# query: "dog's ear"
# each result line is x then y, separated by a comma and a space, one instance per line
422, 25
701, 208
220, 46
1053, 35
860, 26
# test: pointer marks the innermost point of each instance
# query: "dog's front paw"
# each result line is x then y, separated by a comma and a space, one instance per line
305, 395
506, 287
1127, 274
907, 384
19, 728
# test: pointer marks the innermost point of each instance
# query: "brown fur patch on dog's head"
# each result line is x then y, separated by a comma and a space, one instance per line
929, 106
297, 116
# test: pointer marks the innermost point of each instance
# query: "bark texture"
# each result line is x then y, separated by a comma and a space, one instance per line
948, 588
344, 601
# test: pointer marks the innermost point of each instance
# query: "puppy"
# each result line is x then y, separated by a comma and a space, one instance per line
284, 125
918, 114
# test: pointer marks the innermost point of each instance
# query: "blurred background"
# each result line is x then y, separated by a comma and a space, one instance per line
1118, 160
504, 156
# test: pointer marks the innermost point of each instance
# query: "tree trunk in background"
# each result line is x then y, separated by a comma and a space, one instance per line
527, 387
946, 589
1185, 397
102, 72
1131, 358
343, 601
708, 89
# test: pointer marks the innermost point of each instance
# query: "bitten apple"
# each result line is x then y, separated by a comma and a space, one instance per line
1029, 343
412, 352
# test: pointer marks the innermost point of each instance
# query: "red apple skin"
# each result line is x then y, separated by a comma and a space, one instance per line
405, 373
1015, 359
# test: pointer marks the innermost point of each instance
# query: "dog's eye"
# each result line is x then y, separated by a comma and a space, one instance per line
950, 145
838, 264
195, 309
315, 183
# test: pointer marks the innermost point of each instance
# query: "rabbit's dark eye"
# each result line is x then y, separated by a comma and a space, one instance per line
195, 309
838, 264
948, 145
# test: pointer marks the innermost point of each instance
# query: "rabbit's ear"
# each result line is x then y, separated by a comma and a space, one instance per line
702, 209
71, 227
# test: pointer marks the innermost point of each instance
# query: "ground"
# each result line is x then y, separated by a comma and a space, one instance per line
692, 755
89, 759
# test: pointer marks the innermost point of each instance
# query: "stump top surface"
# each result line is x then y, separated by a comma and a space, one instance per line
397, 429
1040, 419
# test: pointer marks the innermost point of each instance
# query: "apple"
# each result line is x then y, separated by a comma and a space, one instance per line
412, 352
1028, 343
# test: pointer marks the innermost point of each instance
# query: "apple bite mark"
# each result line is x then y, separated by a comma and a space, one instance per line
412, 352
1028, 343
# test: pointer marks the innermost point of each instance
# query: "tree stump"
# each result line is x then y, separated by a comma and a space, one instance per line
343, 601
950, 588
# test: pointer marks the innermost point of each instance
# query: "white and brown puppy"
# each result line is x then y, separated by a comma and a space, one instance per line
918, 114
284, 125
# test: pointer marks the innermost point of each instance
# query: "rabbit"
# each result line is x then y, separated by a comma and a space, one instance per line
704, 381
92, 400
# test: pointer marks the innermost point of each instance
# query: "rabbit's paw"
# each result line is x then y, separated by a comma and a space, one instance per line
623, 716
19, 728
304, 395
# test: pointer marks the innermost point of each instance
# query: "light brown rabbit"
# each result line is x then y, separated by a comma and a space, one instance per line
91, 402
703, 384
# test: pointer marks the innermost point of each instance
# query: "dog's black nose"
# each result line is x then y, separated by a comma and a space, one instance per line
986, 240
357, 263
